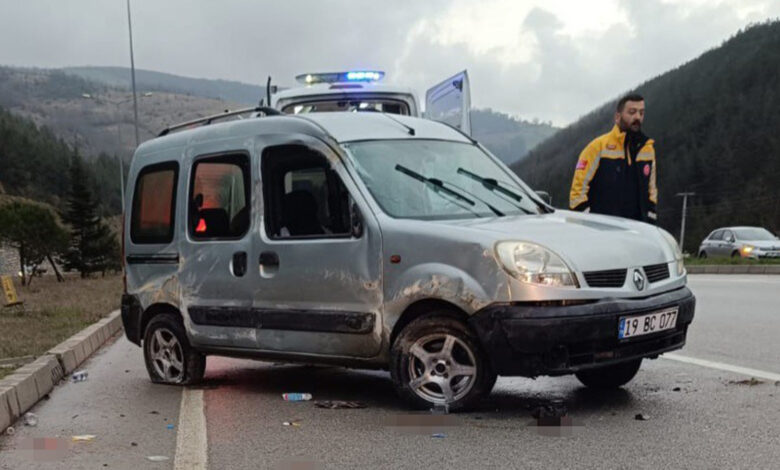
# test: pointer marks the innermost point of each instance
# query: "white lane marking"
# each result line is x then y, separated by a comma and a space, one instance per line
191, 440
759, 374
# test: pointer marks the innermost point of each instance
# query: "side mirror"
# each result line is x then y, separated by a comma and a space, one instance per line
545, 196
356, 221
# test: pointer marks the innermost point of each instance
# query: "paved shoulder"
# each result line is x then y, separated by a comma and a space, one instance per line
127, 415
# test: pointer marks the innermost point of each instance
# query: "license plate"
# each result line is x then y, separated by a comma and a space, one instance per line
631, 327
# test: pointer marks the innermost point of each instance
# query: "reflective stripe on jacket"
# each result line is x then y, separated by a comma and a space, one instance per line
600, 175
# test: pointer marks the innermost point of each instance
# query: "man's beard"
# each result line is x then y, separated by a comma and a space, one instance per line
626, 126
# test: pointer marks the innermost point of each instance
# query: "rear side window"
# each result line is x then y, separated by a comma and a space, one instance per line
154, 204
219, 198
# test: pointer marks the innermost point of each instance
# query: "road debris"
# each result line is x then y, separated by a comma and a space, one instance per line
676, 389
438, 435
296, 396
84, 438
79, 376
157, 458
295, 424
133, 444
170, 426
750, 382
553, 409
641, 417
153, 412
10, 431
30, 419
339, 404
440, 409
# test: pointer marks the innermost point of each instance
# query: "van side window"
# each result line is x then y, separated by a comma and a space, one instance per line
303, 196
154, 204
219, 203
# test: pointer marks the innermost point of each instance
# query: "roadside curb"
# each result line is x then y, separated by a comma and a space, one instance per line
733, 269
21, 390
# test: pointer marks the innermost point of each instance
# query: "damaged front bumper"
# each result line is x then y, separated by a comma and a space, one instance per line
549, 338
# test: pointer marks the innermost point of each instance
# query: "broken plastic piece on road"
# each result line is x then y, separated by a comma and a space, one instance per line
440, 409
339, 404
80, 376
676, 389
641, 417
10, 431
30, 419
170, 426
438, 435
295, 424
157, 458
84, 438
296, 396
751, 382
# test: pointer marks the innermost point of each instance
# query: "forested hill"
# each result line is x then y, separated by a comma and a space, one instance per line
717, 129
34, 164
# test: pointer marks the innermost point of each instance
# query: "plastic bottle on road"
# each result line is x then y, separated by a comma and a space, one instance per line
296, 396
80, 376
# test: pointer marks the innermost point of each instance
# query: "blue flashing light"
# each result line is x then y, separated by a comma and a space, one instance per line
336, 77
364, 76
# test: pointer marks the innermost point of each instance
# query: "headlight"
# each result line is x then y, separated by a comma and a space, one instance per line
678, 254
747, 249
535, 264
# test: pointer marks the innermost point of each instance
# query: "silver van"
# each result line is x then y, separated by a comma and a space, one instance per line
382, 241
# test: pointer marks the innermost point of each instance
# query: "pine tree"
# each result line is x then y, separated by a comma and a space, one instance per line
92, 242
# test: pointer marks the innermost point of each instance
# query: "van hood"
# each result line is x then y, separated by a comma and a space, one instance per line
587, 242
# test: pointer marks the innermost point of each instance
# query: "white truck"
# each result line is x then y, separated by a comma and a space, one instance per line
362, 90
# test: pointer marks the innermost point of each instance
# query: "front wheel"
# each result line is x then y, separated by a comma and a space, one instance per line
703, 255
610, 376
436, 360
168, 355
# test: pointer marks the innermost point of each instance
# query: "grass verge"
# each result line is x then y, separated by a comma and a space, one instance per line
728, 261
53, 311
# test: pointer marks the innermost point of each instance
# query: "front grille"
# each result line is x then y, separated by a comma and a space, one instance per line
608, 278
657, 272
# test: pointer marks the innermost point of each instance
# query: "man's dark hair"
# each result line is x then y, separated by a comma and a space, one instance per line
630, 97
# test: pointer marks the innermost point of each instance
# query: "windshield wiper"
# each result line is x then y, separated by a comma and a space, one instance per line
438, 186
493, 185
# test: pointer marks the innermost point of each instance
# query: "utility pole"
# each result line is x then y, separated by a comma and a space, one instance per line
132, 73
684, 211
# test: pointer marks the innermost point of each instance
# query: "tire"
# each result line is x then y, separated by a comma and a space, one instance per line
168, 355
418, 355
610, 376
735, 254
703, 255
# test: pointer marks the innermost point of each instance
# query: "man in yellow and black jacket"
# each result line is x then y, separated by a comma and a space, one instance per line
616, 173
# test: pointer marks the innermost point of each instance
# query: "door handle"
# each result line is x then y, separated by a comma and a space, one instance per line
269, 259
239, 263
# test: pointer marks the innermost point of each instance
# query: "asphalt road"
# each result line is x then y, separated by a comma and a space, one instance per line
697, 416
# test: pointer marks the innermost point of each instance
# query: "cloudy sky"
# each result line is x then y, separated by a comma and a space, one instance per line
549, 59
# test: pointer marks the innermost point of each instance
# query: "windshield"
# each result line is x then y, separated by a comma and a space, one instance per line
431, 180
756, 234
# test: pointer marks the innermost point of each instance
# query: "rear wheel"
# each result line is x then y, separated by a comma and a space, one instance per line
735, 254
610, 376
703, 254
167, 352
436, 360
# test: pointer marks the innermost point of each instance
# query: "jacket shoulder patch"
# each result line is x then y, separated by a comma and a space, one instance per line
582, 164
611, 146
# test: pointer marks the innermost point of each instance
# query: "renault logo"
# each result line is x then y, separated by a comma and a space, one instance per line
639, 280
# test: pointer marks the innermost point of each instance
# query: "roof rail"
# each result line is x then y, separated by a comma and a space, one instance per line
205, 121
